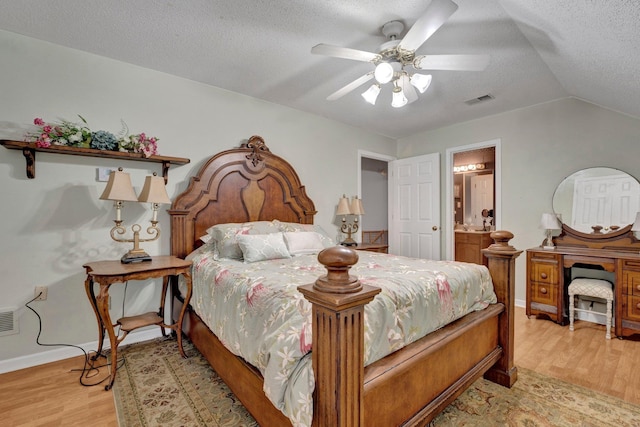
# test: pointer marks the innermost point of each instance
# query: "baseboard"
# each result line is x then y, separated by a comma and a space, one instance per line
61, 353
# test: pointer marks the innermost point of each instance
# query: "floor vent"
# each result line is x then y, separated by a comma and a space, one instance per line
8, 322
479, 99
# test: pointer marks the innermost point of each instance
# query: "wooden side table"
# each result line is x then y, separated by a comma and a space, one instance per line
105, 273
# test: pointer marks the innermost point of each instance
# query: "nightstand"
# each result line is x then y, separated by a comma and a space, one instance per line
106, 273
372, 247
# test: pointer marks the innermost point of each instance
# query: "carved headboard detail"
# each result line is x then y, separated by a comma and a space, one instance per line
243, 184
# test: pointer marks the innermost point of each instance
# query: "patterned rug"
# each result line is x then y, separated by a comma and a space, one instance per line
156, 387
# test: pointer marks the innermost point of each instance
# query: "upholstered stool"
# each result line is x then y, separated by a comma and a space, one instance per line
593, 288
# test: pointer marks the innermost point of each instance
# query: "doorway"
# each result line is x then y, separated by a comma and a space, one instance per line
373, 177
473, 187
464, 206
412, 202
374, 194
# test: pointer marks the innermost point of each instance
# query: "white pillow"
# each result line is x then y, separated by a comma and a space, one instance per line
285, 227
303, 242
260, 247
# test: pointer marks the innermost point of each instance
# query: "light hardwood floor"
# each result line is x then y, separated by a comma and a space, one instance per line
50, 395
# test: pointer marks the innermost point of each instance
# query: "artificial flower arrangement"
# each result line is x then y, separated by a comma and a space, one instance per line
71, 134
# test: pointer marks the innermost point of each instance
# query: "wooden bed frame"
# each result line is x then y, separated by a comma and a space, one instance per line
408, 387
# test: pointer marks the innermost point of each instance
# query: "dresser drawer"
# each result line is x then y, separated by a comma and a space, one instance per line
633, 308
544, 293
631, 282
544, 270
629, 264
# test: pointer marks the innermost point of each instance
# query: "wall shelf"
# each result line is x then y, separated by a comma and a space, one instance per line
29, 151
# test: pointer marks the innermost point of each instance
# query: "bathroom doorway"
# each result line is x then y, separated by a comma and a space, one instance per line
473, 189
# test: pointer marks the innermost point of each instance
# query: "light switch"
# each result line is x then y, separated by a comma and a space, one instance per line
103, 174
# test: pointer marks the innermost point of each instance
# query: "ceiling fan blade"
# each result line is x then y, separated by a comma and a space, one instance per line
436, 14
344, 52
451, 62
351, 86
409, 91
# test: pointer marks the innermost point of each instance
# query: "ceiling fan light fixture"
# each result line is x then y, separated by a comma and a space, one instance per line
421, 82
399, 100
383, 72
371, 94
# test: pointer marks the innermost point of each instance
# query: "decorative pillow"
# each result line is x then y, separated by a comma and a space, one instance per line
303, 242
260, 247
327, 241
225, 236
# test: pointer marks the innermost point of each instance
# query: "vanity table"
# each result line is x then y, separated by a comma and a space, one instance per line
549, 275
604, 247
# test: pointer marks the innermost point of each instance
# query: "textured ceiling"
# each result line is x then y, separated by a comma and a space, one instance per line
540, 50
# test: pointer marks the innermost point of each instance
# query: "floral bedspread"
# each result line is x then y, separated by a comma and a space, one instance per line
258, 314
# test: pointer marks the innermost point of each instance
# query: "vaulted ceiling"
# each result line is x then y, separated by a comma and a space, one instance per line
540, 50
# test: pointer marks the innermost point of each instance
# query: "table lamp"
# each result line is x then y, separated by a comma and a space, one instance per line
549, 222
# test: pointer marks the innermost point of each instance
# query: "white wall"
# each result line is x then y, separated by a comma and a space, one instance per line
54, 223
540, 146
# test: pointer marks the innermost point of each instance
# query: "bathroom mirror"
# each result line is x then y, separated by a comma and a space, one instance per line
597, 200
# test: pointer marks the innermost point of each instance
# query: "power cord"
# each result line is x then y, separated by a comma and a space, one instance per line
89, 369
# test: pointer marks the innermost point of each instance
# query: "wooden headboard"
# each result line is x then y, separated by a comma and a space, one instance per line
239, 185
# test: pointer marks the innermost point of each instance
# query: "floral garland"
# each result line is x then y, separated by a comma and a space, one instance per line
71, 134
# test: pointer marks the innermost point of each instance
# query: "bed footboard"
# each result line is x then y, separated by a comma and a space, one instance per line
338, 353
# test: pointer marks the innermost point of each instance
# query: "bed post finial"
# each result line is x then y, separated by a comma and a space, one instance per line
501, 239
338, 261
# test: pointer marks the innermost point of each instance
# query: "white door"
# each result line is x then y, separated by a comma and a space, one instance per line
481, 196
414, 206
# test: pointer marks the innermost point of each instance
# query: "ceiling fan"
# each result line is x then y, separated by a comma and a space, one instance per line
396, 60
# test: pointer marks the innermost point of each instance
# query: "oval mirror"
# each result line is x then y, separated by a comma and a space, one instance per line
605, 198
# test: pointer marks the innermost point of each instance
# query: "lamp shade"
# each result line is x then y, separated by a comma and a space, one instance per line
119, 187
383, 72
636, 223
154, 191
398, 100
356, 206
549, 221
343, 206
421, 81
371, 94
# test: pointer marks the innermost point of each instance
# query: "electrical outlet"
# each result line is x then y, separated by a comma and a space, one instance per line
40, 293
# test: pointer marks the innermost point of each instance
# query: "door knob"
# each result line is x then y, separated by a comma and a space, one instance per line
434, 228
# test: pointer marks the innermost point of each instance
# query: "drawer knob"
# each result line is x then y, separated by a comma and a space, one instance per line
638, 306
543, 275
638, 287
543, 291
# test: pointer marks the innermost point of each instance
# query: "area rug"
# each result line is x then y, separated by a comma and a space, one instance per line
156, 387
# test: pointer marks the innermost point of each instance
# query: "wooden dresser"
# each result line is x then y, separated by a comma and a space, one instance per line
469, 245
549, 275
